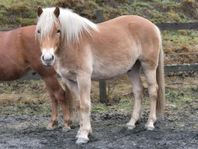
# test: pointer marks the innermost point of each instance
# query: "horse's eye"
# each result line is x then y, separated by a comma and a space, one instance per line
38, 31
58, 31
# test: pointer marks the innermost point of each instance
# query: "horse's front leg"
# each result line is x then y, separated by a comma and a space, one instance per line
80, 87
54, 114
54, 103
66, 113
84, 83
58, 95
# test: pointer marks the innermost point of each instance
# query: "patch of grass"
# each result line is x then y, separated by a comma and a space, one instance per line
99, 108
17, 13
26, 109
180, 98
182, 41
124, 106
25, 98
155, 10
181, 37
178, 42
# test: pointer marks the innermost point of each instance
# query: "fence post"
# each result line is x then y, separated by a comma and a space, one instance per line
99, 16
102, 91
102, 83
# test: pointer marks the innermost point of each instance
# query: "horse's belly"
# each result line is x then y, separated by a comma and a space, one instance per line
11, 73
12, 66
110, 71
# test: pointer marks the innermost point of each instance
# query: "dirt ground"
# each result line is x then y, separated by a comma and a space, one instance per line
109, 132
22, 124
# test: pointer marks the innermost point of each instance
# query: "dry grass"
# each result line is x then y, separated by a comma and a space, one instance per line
17, 92
36, 101
23, 12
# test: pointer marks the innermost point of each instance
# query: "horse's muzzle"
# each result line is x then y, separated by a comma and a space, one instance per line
47, 59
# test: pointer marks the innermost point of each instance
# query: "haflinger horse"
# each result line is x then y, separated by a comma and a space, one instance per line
20, 52
80, 51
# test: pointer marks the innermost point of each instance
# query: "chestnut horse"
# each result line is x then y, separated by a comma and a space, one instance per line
80, 51
20, 52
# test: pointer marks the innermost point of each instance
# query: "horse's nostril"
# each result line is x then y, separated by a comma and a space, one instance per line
52, 58
42, 57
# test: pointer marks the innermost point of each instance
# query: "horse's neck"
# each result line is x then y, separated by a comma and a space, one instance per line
71, 47
72, 55
68, 52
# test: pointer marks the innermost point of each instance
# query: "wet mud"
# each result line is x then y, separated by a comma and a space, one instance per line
175, 131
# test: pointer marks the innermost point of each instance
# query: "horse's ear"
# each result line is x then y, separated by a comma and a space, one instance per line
57, 11
39, 11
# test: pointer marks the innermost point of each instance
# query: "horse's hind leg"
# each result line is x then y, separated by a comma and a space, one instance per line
150, 73
134, 76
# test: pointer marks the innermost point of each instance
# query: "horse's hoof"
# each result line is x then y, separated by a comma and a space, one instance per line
130, 127
50, 128
82, 141
150, 127
52, 125
66, 129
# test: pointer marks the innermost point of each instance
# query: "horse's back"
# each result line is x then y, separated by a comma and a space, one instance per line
120, 42
130, 30
11, 60
129, 24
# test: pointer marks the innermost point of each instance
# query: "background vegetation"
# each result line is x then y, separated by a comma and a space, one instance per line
23, 12
14, 13
179, 46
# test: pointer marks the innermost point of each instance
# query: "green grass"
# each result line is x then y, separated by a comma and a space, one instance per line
32, 99
175, 98
181, 38
124, 105
15, 13
20, 13
23, 12
178, 99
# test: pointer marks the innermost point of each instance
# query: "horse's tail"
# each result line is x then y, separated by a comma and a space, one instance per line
161, 83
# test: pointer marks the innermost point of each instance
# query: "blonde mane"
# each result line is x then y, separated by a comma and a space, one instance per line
72, 25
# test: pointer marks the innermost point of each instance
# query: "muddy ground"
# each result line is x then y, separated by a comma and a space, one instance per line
109, 132
22, 125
